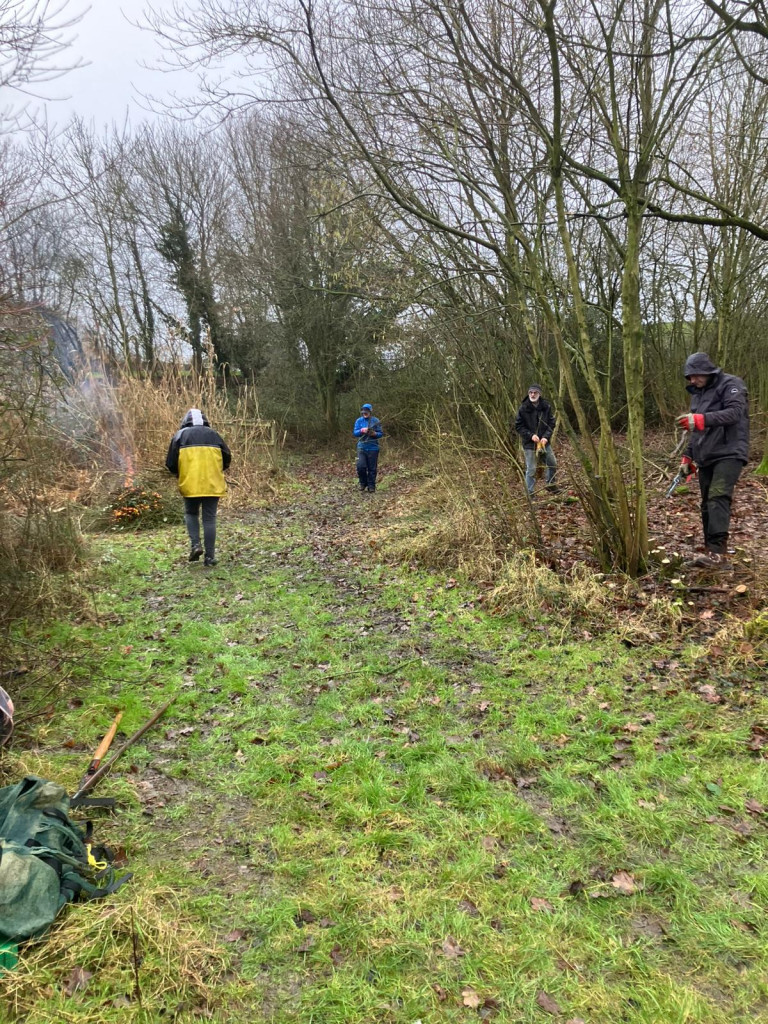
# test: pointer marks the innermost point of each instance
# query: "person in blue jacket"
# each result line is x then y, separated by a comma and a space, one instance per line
367, 430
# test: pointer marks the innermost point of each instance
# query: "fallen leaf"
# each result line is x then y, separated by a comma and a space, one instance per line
451, 948
649, 805
546, 1002
468, 907
304, 917
540, 904
234, 936
744, 828
337, 956
743, 926
624, 882
77, 981
120, 858
306, 945
470, 998
754, 807
489, 843
710, 694
440, 992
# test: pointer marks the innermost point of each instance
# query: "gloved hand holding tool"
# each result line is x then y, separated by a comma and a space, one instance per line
686, 471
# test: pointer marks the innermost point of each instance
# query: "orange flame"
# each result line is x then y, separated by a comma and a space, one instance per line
130, 470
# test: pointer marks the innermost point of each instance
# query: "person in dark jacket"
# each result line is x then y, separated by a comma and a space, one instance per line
535, 423
198, 457
368, 430
718, 447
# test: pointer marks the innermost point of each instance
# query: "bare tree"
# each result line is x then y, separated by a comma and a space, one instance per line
34, 38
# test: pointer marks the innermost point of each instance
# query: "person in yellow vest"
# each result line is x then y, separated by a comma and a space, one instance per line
198, 456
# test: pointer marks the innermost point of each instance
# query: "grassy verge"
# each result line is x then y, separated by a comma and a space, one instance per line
374, 801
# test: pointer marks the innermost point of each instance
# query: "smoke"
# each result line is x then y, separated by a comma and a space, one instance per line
87, 411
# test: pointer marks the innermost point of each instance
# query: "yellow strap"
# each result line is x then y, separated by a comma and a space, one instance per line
99, 865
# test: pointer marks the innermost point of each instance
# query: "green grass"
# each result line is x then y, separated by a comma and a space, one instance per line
364, 782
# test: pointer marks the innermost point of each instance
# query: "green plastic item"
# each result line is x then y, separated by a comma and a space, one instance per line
9, 956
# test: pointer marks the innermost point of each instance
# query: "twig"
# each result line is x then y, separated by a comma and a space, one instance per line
136, 961
403, 664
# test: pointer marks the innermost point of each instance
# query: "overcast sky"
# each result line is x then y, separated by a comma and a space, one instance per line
110, 85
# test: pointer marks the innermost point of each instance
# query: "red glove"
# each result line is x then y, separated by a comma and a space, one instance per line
691, 421
687, 466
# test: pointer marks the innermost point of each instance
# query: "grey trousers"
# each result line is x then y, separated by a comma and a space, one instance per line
191, 518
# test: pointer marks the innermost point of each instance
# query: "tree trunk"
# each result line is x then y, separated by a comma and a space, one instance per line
634, 380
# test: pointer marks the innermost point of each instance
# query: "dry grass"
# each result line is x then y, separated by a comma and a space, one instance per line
38, 547
152, 409
465, 518
526, 585
142, 954
473, 517
580, 597
742, 644
456, 538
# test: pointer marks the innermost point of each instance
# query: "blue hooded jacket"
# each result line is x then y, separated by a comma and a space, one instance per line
368, 442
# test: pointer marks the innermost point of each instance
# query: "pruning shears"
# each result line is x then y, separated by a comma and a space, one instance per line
682, 476
679, 479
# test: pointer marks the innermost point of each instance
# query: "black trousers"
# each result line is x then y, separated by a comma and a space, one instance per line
367, 463
191, 518
717, 482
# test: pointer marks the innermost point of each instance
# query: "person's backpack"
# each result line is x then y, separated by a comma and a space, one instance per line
44, 860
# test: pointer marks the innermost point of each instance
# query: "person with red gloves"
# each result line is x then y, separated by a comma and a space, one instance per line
718, 448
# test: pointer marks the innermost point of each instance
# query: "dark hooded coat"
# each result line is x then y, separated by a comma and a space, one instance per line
724, 405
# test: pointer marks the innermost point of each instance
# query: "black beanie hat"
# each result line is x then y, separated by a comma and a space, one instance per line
535, 387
